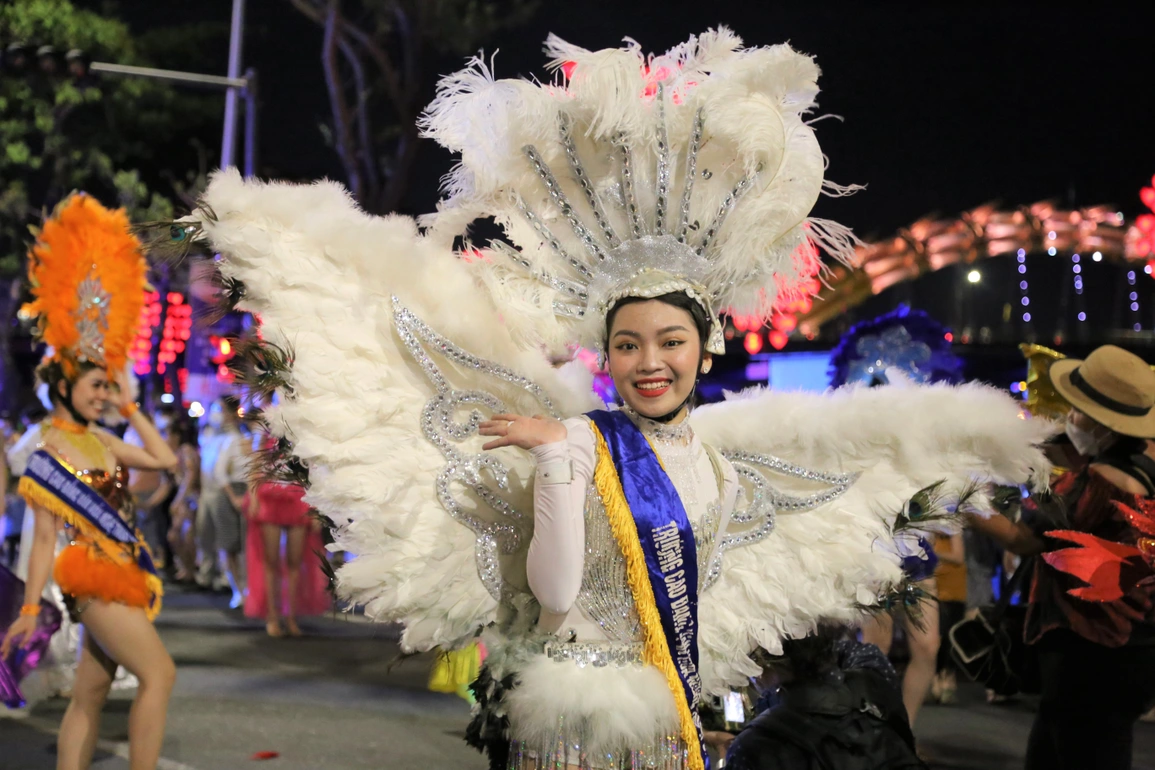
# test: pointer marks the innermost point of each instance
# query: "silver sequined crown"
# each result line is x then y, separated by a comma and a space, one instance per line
635, 177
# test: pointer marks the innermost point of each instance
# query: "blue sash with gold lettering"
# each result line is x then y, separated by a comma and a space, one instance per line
662, 531
79, 504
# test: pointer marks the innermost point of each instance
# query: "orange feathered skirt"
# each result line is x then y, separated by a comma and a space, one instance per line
85, 571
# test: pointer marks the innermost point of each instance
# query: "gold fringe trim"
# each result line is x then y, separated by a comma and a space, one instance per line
40, 496
156, 586
35, 494
656, 651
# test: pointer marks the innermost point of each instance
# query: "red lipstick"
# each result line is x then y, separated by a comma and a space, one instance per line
652, 392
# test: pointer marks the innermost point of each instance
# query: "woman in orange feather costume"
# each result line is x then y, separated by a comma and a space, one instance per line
88, 276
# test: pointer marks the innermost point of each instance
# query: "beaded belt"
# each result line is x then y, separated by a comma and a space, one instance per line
596, 654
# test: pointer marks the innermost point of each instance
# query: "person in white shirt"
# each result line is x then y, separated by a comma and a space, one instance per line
223, 497
209, 443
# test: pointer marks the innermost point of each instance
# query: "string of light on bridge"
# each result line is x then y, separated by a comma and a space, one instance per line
1134, 296
1077, 269
1024, 286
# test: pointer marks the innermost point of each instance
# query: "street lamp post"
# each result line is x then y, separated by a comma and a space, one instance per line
236, 44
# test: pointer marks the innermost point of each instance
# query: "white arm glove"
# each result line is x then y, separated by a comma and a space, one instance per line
557, 552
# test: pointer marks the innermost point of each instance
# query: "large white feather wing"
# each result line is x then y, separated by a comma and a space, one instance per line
396, 352
834, 553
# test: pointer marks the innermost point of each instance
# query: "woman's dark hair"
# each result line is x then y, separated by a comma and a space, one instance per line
51, 373
678, 299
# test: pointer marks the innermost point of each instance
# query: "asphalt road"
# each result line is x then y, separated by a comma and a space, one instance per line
340, 699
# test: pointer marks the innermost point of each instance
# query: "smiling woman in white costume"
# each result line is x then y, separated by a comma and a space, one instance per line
617, 568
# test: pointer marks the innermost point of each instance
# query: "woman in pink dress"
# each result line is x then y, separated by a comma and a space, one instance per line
296, 585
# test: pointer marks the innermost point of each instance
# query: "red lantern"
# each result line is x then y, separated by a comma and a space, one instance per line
786, 323
1147, 195
753, 343
778, 339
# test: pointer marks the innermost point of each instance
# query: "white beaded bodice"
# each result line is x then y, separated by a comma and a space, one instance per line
604, 597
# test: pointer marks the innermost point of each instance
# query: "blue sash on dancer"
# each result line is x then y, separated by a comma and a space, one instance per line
667, 542
89, 510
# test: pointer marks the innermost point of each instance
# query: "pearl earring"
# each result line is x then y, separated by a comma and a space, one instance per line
706, 368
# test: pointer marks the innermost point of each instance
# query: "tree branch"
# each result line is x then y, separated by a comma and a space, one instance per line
388, 48
340, 109
389, 72
393, 86
364, 152
410, 39
311, 10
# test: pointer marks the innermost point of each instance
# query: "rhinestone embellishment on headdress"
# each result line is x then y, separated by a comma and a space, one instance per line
645, 265
630, 175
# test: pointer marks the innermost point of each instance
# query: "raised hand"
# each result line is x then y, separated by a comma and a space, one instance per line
119, 393
519, 431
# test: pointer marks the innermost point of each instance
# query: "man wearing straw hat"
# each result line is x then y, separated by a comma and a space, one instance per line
1090, 620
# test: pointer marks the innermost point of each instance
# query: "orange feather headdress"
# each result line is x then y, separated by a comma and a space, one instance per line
88, 278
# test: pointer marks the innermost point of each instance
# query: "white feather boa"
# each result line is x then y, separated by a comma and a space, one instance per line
606, 709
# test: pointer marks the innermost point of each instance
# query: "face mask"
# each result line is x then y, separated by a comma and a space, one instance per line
1087, 443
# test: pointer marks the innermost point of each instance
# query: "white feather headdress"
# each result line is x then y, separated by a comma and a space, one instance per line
632, 176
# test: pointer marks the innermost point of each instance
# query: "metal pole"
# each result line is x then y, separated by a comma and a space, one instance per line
236, 39
193, 78
250, 122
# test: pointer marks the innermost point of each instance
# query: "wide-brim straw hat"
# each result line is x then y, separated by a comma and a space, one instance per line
1112, 387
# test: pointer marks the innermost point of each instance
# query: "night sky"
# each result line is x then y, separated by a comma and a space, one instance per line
945, 105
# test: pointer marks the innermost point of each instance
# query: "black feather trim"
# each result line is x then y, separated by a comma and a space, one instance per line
228, 293
276, 462
175, 241
262, 367
904, 599
488, 731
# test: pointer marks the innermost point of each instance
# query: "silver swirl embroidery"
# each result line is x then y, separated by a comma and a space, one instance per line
766, 501
91, 317
705, 535
443, 429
